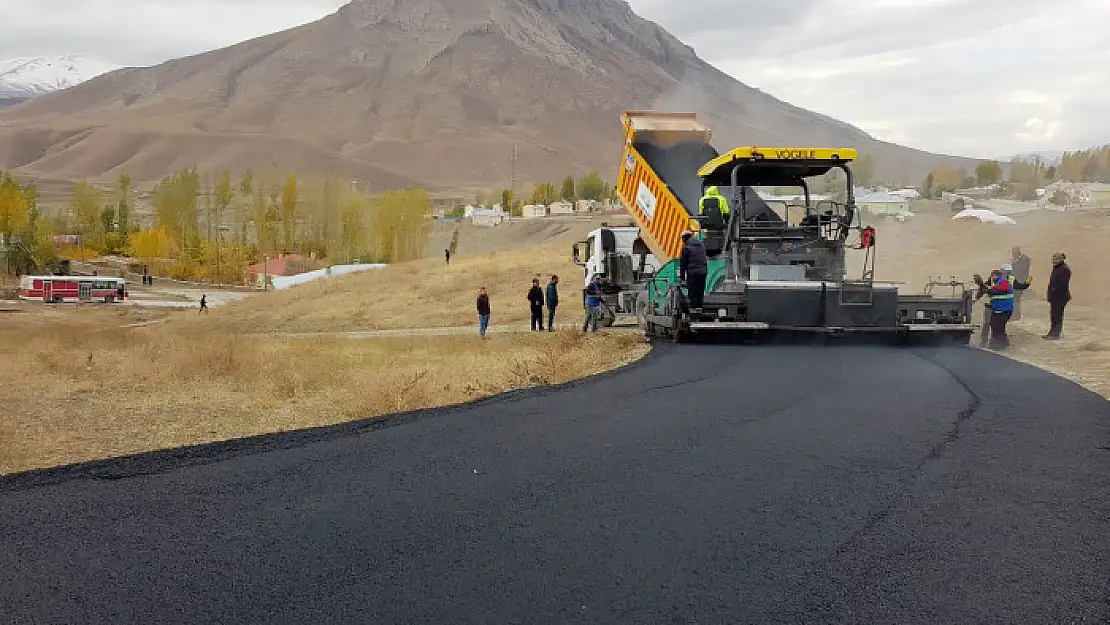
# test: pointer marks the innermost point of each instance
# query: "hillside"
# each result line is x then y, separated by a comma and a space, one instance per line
25, 78
399, 91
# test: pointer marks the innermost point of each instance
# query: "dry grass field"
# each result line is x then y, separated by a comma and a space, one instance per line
935, 245
426, 293
84, 388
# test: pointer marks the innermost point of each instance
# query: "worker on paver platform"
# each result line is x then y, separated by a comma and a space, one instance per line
1002, 308
713, 199
1022, 266
692, 268
1059, 294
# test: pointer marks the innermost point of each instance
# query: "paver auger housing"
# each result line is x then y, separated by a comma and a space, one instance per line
776, 271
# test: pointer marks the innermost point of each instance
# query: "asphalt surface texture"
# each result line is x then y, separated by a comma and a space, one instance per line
704, 484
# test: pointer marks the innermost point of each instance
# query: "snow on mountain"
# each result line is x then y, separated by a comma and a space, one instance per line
21, 79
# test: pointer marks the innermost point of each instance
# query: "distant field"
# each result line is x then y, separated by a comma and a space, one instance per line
935, 245
426, 293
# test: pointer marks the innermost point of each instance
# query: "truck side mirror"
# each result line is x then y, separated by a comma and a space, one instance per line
574, 251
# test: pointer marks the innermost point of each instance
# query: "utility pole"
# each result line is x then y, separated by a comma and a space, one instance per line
512, 179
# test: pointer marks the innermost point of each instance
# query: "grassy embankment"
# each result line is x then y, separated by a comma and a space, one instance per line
86, 388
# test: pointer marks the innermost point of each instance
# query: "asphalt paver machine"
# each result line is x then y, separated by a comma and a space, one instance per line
771, 271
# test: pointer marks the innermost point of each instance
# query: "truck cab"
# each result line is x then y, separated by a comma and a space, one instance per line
612, 253
623, 260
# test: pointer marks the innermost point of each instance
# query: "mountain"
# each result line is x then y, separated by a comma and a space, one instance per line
1050, 157
26, 78
435, 92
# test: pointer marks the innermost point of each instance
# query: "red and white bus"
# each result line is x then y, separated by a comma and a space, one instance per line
59, 289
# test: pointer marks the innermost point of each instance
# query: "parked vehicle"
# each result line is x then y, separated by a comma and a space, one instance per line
59, 289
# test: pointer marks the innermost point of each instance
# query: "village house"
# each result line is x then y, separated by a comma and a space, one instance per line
561, 208
532, 211
882, 203
488, 217
260, 275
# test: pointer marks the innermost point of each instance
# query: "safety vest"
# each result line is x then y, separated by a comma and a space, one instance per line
714, 196
1003, 302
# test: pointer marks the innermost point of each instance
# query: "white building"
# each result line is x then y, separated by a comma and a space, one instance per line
909, 193
883, 204
584, 206
488, 217
532, 211
560, 208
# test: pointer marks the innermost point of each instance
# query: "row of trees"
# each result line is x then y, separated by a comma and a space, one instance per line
264, 213
1085, 166
210, 226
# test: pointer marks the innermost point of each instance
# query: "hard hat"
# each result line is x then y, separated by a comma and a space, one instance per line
1007, 267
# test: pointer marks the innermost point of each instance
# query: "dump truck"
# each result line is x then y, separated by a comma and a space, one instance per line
620, 256
770, 272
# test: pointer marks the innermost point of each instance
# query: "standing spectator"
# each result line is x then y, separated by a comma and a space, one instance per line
1022, 265
203, 304
593, 302
552, 302
535, 302
483, 311
1002, 308
447, 256
1059, 294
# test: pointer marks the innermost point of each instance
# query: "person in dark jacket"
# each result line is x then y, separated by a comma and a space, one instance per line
535, 302
552, 302
483, 311
692, 268
1022, 266
1059, 294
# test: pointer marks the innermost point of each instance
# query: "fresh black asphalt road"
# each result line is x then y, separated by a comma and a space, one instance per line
706, 484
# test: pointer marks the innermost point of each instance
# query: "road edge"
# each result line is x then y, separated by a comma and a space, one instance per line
164, 460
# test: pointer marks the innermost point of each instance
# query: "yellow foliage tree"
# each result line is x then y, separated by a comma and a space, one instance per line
399, 222
545, 194
14, 216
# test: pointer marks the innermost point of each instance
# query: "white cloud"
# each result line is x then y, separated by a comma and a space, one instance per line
975, 77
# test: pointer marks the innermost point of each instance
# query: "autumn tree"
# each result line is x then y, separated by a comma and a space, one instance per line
988, 173
591, 187
86, 211
123, 205
354, 212
863, 171
567, 194
399, 224
176, 207
506, 200
289, 210
544, 194
13, 208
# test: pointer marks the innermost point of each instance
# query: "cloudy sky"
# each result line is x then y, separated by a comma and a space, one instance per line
982, 78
